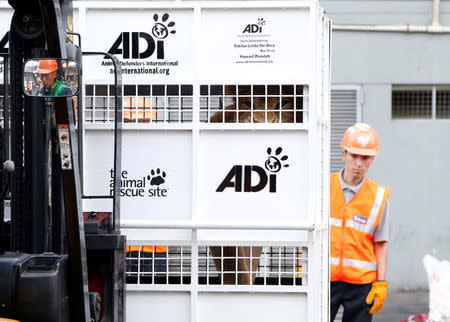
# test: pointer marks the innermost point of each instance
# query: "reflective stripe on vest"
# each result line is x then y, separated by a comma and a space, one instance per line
352, 225
57, 89
354, 263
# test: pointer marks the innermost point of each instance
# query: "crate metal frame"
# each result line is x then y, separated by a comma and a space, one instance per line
317, 129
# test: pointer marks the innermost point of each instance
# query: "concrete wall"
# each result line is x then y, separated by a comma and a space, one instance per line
415, 154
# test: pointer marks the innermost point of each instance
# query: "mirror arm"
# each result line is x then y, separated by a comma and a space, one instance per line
117, 133
76, 34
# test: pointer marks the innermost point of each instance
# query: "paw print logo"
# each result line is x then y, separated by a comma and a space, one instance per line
156, 178
161, 28
261, 22
273, 162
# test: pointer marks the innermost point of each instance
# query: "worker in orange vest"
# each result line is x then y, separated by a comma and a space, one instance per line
147, 254
358, 230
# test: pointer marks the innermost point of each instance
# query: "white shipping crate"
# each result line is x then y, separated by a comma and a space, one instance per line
225, 154
5, 23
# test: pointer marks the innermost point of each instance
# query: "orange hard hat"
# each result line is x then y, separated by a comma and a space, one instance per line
47, 66
360, 139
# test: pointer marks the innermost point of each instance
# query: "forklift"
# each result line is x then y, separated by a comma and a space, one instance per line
56, 263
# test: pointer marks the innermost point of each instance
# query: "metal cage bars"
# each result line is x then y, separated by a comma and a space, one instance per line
277, 265
218, 104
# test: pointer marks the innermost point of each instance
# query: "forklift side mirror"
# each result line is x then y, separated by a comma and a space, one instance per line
50, 77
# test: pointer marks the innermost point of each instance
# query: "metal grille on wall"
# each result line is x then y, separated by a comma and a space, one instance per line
443, 103
421, 102
345, 111
412, 102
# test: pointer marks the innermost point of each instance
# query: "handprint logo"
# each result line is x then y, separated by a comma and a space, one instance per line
261, 22
160, 29
273, 162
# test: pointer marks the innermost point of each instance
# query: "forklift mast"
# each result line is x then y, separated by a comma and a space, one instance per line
55, 265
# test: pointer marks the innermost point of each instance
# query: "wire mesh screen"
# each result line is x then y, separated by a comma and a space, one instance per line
141, 103
252, 265
217, 265
443, 103
253, 103
152, 264
412, 102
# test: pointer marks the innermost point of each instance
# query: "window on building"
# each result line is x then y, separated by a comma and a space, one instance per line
443, 103
420, 102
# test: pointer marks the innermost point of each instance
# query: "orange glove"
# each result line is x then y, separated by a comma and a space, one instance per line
377, 292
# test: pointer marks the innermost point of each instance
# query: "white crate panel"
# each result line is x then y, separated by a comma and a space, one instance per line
156, 168
109, 25
5, 20
252, 307
252, 235
158, 306
222, 56
5, 24
157, 234
282, 195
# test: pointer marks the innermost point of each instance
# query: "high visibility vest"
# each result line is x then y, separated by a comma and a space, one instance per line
56, 90
352, 254
146, 249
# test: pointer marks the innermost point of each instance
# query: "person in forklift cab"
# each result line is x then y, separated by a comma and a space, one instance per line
48, 69
358, 230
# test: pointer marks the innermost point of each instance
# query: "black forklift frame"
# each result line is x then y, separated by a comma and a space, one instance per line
4, 145
23, 237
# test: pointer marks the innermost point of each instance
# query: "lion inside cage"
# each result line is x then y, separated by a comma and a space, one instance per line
252, 104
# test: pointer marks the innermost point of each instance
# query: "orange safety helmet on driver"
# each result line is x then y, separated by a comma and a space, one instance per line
361, 139
47, 66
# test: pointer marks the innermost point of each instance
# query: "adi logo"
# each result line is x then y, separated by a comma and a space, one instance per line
255, 28
240, 176
128, 44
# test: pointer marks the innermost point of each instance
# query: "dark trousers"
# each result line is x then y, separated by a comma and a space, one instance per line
353, 298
